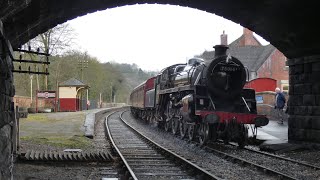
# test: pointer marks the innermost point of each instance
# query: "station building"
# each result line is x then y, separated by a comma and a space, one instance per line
70, 94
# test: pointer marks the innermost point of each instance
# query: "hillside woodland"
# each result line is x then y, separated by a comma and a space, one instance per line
112, 80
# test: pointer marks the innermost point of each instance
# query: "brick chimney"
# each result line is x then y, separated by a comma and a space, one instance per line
248, 38
247, 32
224, 39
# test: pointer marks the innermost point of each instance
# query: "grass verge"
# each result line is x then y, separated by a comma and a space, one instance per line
63, 130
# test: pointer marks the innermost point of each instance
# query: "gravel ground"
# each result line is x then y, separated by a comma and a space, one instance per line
287, 167
192, 152
311, 156
62, 171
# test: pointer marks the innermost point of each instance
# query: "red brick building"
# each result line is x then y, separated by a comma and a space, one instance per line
261, 61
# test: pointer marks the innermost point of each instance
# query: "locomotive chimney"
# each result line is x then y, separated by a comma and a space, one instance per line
224, 39
220, 50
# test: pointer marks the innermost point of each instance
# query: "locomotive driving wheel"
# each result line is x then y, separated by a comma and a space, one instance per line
160, 122
243, 135
168, 119
204, 133
167, 125
226, 134
192, 131
183, 129
175, 125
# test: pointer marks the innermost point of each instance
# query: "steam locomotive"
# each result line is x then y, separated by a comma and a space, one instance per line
201, 100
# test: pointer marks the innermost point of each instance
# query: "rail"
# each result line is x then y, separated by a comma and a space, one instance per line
147, 145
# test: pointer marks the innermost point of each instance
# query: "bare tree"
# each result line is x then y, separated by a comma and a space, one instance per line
56, 40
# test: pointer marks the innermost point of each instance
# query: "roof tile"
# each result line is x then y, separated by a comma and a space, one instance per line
73, 82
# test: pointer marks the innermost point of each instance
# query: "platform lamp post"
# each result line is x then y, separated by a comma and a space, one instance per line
100, 100
111, 98
31, 77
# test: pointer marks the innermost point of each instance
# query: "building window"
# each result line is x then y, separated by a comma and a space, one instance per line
286, 67
285, 86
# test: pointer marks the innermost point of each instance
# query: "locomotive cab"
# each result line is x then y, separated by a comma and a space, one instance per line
186, 76
195, 61
178, 69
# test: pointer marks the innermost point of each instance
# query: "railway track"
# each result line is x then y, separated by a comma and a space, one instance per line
270, 164
145, 159
282, 167
242, 161
280, 157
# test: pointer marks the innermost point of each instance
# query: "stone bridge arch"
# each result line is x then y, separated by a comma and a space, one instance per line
289, 25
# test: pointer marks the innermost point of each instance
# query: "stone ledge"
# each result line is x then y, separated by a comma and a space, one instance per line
308, 135
304, 122
278, 147
91, 117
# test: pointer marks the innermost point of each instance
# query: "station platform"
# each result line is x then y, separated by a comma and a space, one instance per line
274, 132
274, 138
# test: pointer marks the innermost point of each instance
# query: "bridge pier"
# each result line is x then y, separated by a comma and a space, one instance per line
304, 99
6, 108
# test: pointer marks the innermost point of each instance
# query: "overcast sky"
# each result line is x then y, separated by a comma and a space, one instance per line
152, 36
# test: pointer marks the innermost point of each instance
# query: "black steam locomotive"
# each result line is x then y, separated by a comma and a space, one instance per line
201, 100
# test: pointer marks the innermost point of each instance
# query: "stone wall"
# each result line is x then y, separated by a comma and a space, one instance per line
24, 101
6, 107
304, 103
267, 106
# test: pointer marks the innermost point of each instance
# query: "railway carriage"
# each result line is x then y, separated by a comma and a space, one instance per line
200, 100
142, 99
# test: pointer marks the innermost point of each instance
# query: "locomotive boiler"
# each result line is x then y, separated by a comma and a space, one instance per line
201, 100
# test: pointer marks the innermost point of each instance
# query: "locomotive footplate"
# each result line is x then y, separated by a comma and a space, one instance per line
241, 118
227, 126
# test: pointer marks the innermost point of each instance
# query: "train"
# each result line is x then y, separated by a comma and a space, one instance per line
200, 100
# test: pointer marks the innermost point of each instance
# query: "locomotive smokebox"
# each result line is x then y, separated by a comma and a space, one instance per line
225, 76
220, 50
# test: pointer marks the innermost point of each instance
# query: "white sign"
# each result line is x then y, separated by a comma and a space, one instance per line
46, 94
259, 99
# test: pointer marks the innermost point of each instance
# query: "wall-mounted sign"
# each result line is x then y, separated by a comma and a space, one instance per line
259, 99
46, 94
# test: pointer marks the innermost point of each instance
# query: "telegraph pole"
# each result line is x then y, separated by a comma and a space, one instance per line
83, 63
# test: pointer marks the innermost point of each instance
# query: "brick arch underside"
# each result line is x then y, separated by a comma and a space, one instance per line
288, 25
